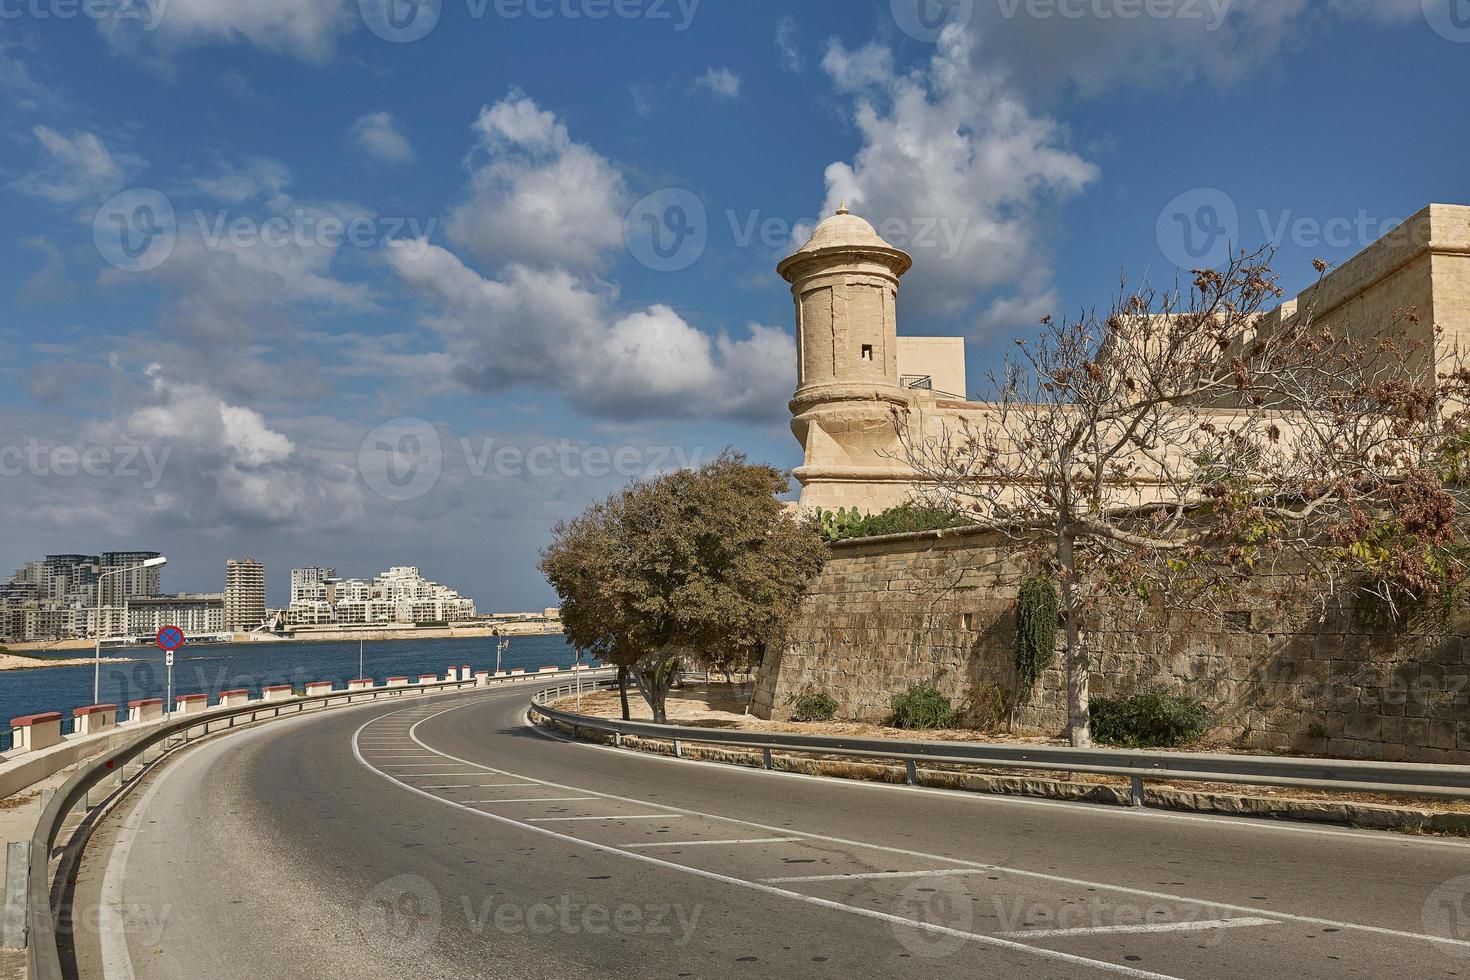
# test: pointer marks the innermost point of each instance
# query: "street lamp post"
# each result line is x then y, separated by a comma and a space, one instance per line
97, 639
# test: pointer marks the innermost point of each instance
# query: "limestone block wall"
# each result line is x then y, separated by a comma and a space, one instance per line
890, 613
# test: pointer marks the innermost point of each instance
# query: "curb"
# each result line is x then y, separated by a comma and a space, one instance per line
1369, 816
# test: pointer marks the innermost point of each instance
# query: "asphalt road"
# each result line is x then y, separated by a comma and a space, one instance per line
449, 839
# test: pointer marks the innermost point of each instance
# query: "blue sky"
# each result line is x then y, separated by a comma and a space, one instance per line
278, 283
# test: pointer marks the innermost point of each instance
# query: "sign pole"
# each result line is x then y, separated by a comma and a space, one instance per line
169, 639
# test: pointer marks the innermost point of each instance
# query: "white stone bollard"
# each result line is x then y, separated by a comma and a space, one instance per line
360, 684
278, 692
192, 704
315, 688
234, 699
397, 682
94, 718
144, 711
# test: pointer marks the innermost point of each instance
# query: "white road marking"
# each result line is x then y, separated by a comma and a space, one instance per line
538, 799
870, 875
698, 843
1039, 875
994, 941
630, 816
1200, 926
474, 785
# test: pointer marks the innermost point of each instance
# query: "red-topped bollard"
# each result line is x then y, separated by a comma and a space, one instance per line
315, 688
397, 682
145, 710
360, 684
234, 699
278, 692
36, 732
95, 718
192, 704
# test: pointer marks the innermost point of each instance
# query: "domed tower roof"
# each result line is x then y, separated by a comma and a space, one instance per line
846, 232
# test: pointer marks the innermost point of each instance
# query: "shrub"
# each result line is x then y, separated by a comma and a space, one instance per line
1152, 718
987, 706
845, 524
922, 707
813, 706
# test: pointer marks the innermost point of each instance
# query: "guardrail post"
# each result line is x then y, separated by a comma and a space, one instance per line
17, 874
911, 771
1135, 793
766, 758
678, 749
617, 740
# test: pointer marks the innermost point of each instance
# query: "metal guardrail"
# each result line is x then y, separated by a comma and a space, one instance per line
1342, 775
41, 935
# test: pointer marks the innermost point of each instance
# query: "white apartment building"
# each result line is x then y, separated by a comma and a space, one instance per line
194, 614
244, 594
399, 595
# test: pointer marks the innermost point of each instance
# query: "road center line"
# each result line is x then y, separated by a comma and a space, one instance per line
700, 843
538, 799
870, 875
630, 816
1199, 926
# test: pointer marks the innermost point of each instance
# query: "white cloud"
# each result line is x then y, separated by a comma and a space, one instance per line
251, 179
537, 197
954, 168
77, 168
788, 43
548, 328
720, 82
306, 29
222, 464
378, 134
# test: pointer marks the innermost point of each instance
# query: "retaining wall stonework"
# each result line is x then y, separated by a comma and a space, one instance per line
889, 613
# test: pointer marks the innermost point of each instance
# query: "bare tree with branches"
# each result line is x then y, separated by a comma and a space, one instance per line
1187, 441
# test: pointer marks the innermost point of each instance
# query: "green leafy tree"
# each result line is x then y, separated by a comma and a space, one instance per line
699, 567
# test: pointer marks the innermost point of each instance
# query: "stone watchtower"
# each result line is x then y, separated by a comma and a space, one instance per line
845, 282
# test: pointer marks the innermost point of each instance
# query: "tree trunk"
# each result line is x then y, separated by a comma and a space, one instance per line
654, 680
1079, 667
623, 692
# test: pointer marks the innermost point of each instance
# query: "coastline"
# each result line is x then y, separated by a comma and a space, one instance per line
12, 661
19, 651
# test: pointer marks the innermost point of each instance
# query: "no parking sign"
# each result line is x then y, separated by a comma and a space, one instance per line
169, 639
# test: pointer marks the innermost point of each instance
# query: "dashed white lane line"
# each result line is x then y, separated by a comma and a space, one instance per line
874, 875
992, 941
1018, 872
538, 799
699, 843
475, 785
628, 816
1203, 925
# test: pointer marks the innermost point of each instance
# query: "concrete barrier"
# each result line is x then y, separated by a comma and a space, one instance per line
278, 692
517, 670
234, 699
482, 678
428, 678
192, 704
396, 682
144, 711
314, 688
94, 718
549, 670
36, 732
360, 684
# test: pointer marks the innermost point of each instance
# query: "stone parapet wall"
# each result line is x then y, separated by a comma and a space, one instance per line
889, 613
